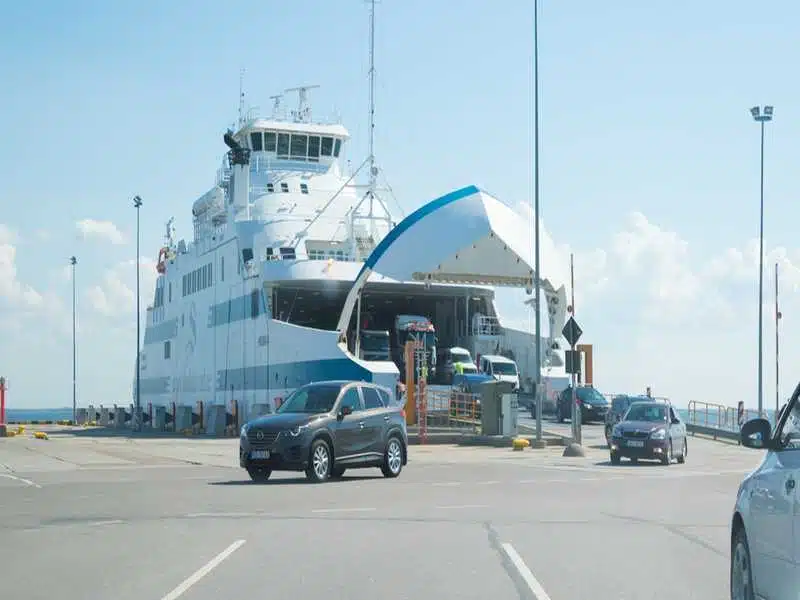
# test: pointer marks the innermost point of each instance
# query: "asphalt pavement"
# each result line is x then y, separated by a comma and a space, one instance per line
168, 519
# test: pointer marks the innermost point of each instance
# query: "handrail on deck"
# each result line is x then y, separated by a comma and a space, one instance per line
717, 416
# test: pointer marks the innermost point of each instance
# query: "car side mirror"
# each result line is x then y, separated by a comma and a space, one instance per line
756, 433
345, 410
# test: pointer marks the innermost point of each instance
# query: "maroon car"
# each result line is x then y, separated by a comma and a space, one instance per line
649, 430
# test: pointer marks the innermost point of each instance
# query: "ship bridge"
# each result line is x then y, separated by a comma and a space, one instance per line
465, 237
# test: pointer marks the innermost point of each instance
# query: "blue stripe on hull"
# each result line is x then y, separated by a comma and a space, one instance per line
290, 375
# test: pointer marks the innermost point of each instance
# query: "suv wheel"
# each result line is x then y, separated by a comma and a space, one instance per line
319, 464
392, 458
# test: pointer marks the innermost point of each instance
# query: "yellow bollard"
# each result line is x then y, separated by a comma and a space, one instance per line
519, 444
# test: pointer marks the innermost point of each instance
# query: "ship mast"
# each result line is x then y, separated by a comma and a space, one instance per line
373, 171
372, 183
241, 98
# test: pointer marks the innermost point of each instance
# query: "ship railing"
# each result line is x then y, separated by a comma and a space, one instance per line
486, 326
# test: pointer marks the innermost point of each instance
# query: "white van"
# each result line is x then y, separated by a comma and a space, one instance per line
501, 368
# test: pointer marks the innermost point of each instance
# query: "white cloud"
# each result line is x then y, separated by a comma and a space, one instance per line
115, 296
12, 290
7, 235
101, 229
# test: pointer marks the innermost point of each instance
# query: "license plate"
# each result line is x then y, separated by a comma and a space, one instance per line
259, 454
635, 444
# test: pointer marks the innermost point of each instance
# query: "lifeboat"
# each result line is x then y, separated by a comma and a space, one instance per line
161, 265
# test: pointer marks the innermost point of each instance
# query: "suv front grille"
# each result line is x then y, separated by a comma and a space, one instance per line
268, 438
635, 434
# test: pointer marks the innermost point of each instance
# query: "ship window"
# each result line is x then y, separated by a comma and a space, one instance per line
167, 349
222, 268
270, 188
283, 145
203, 278
269, 141
313, 147
299, 146
210, 274
170, 291
254, 303
303, 188
255, 139
327, 146
337, 147
284, 187
183, 280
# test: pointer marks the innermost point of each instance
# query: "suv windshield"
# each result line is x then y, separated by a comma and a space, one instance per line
503, 368
646, 412
375, 342
591, 395
620, 404
462, 357
311, 399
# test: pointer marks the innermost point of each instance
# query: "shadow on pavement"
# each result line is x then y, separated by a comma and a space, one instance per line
294, 481
627, 463
110, 432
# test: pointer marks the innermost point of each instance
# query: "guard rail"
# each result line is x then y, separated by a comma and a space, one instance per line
716, 420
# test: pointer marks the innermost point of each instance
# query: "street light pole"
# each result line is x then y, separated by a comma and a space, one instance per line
761, 116
778, 316
137, 203
74, 261
536, 280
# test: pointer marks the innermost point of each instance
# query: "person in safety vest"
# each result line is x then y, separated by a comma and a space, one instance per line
459, 368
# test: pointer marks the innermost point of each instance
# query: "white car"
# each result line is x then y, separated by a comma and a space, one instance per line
765, 529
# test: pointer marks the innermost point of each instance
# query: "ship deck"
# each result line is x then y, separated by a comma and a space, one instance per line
91, 517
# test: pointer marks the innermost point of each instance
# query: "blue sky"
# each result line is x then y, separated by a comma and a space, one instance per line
649, 159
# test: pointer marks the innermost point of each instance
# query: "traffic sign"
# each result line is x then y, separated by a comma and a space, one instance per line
572, 331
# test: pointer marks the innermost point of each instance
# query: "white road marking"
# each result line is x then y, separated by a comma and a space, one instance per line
531, 581
341, 510
221, 515
488, 482
109, 522
20, 479
457, 506
203, 571
446, 483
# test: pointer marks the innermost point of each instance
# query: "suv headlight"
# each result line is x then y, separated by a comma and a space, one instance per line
588, 406
243, 431
297, 431
658, 434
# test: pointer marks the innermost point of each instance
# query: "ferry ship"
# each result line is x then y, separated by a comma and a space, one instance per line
294, 264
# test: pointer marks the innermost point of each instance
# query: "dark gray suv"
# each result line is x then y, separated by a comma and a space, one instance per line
324, 428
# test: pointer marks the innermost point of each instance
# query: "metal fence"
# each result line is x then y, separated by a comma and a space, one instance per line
717, 416
451, 410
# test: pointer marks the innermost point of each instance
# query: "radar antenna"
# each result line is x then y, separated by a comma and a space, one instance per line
169, 238
276, 105
303, 112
